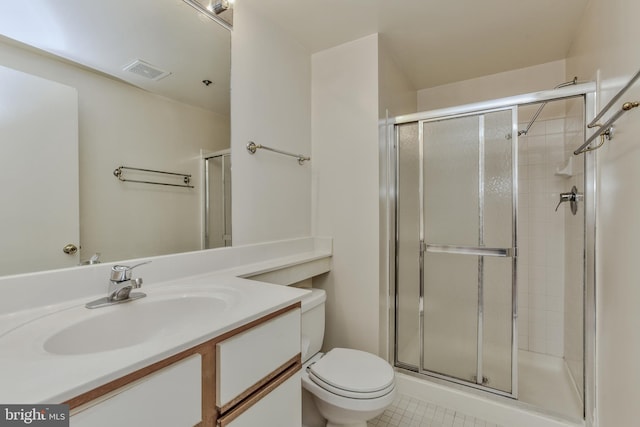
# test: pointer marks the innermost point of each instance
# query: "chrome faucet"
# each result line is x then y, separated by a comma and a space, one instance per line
120, 286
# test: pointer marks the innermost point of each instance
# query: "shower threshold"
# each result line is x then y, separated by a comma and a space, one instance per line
482, 404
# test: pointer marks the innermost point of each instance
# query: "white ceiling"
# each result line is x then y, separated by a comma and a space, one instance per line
107, 36
433, 41
437, 41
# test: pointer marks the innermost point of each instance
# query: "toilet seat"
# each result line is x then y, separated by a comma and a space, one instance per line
353, 374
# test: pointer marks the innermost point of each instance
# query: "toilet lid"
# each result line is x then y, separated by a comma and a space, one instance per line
354, 371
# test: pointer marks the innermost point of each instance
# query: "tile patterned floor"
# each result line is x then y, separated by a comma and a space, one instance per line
410, 412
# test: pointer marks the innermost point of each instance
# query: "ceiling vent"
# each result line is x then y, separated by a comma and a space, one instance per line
146, 70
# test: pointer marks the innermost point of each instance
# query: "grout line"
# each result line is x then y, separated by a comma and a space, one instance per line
407, 411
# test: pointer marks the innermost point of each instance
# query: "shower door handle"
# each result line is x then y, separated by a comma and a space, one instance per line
471, 250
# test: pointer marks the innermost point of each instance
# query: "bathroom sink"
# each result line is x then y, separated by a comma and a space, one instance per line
137, 322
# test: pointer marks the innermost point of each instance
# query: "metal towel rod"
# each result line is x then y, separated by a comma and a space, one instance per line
252, 147
606, 129
594, 122
186, 178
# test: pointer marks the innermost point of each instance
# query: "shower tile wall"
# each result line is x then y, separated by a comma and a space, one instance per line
541, 238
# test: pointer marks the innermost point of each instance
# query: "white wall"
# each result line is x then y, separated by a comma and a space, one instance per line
353, 86
271, 105
123, 125
346, 189
607, 43
397, 96
514, 82
154, 133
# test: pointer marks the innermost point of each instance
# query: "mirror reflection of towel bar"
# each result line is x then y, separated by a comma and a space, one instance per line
470, 250
186, 178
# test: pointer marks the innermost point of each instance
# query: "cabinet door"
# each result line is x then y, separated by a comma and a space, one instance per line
171, 397
248, 360
282, 407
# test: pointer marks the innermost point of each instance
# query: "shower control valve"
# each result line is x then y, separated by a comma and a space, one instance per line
573, 197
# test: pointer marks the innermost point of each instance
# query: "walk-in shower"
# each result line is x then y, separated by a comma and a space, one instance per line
490, 285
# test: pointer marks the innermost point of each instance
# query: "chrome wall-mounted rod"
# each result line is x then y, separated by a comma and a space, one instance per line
252, 147
615, 99
186, 178
605, 129
535, 116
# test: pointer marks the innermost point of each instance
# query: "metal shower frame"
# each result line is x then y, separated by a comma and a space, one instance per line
586, 90
480, 250
225, 155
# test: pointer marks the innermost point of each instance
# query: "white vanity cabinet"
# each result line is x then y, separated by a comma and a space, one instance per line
277, 408
169, 397
249, 376
248, 360
257, 374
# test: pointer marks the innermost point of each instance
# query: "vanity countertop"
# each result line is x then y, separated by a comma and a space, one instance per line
191, 298
32, 373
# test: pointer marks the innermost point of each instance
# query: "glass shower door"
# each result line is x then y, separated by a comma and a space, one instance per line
467, 241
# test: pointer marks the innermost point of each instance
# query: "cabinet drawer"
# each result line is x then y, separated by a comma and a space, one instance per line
250, 359
171, 397
281, 407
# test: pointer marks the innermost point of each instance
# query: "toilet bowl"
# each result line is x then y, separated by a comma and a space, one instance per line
346, 392
348, 387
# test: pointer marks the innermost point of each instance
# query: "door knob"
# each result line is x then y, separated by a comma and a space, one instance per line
70, 249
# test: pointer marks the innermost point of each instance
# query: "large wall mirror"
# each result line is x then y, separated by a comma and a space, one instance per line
86, 88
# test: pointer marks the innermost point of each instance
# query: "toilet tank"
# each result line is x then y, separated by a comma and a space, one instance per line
312, 323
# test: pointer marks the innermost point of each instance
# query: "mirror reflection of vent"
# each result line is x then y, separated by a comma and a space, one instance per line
146, 70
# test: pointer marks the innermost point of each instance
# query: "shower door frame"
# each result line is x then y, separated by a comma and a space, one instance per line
389, 187
225, 155
479, 251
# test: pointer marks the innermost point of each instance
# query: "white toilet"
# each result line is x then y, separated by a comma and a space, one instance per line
348, 387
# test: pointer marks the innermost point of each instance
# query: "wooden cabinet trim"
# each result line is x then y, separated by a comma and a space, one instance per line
109, 387
208, 354
296, 360
258, 395
209, 413
256, 322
